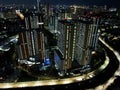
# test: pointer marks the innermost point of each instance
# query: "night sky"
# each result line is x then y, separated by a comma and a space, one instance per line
113, 3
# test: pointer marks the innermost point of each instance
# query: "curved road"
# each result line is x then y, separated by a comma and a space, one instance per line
84, 81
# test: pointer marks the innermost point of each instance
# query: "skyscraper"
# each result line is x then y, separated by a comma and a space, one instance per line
76, 40
32, 42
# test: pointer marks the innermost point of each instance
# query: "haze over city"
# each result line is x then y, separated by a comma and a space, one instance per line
113, 3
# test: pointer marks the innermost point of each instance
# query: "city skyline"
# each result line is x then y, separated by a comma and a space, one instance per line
110, 3
61, 45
